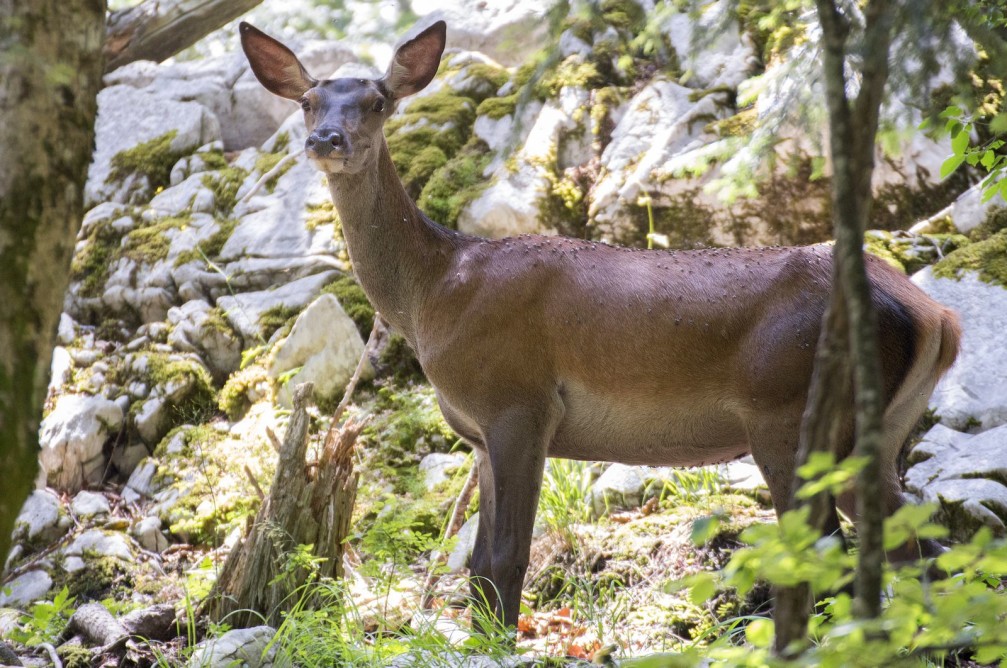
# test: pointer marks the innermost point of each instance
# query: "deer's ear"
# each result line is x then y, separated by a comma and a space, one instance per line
275, 66
415, 63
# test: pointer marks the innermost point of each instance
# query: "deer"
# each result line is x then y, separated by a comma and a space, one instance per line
549, 346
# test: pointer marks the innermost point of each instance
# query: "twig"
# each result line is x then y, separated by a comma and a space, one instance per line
255, 483
270, 175
454, 526
351, 386
273, 439
53, 656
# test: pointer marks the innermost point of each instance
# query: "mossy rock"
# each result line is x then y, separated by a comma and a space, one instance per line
995, 221
241, 390
152, 159
988, 258
456, 183
224, 184
209, 248
354, 302
276, 318
91, 265
149, 242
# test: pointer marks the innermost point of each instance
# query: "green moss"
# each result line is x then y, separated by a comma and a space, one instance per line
575, 71
272, 319
354, 301
213, 159
224, 185
149, 243
995, 221
445, 107
237, 395
456, 184
498, 107
91, 265
322, 214
96, 581
267, 161
494, 76
407, 420
424, 164
398, 360
209, 248
153, 159
740, 125
626, 15
75, 656
987, 257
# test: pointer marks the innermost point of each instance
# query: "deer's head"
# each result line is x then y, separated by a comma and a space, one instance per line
344, 117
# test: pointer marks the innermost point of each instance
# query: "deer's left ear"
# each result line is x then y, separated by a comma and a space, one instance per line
415, 63
275, 66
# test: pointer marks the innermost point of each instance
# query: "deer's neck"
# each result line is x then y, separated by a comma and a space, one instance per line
397, 252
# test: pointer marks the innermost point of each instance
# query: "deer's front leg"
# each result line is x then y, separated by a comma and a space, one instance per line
517, 444
484, 593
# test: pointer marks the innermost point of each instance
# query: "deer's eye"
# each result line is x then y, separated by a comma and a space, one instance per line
305, 105
379, 105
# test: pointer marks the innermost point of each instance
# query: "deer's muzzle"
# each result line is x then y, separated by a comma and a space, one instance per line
326, 142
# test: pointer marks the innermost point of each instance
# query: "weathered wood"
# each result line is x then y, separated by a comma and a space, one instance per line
50, 74
158, 29
307, 505
96, 625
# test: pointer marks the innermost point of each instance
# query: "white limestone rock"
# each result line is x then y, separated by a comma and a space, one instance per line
325, 343
973, 394
198, 328
96, 543
148, 534
661, 126
128, 117
72, 437
242, 647
965, 474
509, 31
620, 487
90, 504
439, 467
40, 518
458, 560
966, 213
140, 485
25, 589
244, 310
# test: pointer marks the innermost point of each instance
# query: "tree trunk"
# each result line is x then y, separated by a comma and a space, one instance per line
50, 74
306, 506
158, 29
849, 329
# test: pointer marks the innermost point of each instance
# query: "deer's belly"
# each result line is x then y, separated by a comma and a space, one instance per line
644, 431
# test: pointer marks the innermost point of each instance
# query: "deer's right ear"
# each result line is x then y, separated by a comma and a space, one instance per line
274, 65
415, 63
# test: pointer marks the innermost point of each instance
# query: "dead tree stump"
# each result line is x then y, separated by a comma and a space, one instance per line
307, 505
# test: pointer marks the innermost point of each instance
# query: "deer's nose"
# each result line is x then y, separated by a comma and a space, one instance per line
325, 141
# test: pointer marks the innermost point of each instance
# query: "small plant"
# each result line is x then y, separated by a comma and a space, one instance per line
45, 621
565, 498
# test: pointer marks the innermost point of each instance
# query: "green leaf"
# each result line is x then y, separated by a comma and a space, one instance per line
1003, 189
951, 111
951, 164
704, 586
759, 632
960, 141
704, 529
998, 125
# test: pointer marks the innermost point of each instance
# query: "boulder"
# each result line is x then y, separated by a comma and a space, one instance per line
662, 126
200, 328
89, 504
325, 344
129, 117
439, 467
966, 213
250, 648
458, 560
148, 534
245, 310
96, 544
141, 482
965, 474
509, 31
619, 487
715, 51
40, 518
72, 437
25, 589
973, 394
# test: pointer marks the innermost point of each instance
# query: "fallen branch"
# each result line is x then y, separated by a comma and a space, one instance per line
158, 29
